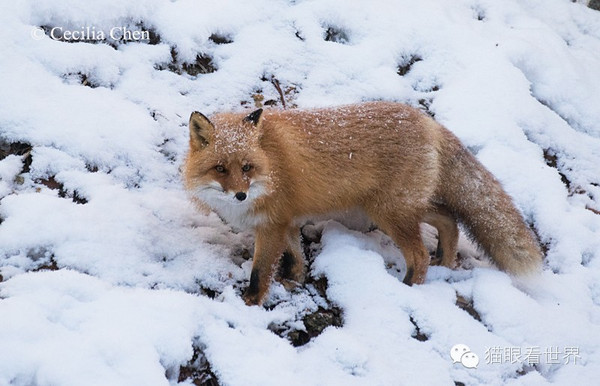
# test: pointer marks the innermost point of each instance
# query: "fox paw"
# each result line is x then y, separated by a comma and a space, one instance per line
436, 261
255, 292
252, 299
289, 284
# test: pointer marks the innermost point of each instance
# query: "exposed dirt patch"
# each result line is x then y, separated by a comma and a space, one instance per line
198, 370
407, 63
467, 305
418, 334
203, 64
336, 35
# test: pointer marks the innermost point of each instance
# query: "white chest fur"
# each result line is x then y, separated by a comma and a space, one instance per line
238, 214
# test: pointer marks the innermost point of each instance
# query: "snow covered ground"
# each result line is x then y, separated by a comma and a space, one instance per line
109, 276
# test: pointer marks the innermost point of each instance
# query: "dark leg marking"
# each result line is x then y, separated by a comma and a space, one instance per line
253, 287
439, 252
286, 265
409, 274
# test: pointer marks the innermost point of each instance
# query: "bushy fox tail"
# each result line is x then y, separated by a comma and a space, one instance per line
479, 202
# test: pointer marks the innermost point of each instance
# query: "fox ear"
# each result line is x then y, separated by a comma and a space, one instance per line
201, 129
254, 117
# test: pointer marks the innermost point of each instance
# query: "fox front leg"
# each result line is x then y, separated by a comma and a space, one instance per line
270, 243
292, 268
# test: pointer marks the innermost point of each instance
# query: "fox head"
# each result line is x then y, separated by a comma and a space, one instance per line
226, 165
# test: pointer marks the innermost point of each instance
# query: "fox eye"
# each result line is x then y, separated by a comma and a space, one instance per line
246, 168
220, 169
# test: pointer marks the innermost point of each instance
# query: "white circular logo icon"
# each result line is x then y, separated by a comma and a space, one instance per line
461, 353
37, 33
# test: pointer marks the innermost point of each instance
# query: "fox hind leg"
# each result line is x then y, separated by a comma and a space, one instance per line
417, 259
407, 237
447, 249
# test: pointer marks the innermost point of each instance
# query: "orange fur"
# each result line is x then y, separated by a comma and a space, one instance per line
395, 163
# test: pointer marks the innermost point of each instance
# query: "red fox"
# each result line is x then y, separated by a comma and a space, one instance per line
270, 169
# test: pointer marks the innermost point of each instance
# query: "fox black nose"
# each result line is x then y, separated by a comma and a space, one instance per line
241, 196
